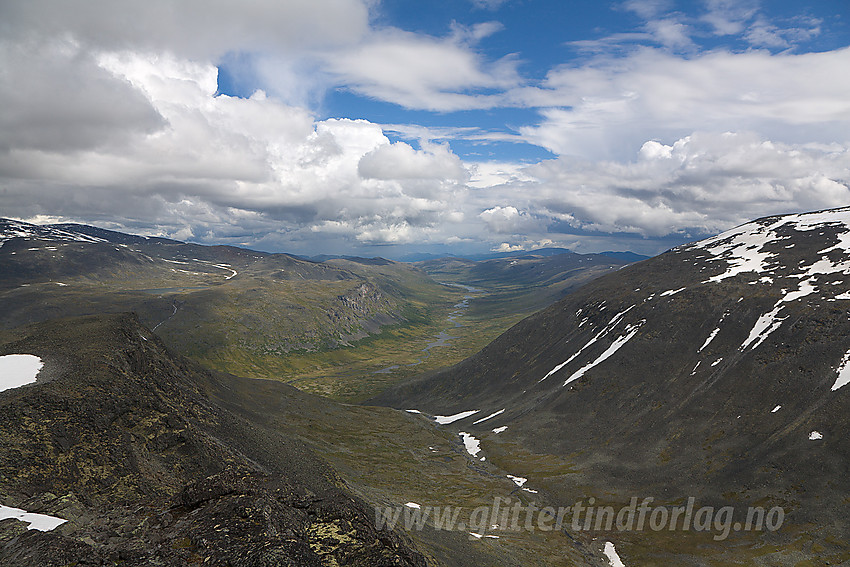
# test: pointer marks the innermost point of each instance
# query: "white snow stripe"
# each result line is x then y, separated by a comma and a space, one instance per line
631, 331
843, 377
709, 339
764, 326
491, 416
518, 480
611, 324
447, 419
611, 554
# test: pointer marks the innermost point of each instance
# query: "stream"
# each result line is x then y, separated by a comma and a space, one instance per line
443, 337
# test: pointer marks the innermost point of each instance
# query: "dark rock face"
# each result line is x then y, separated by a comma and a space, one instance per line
712, 370
119, 438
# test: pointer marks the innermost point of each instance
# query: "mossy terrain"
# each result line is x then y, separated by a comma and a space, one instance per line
156, 461
120, 438
648, 382
331, 327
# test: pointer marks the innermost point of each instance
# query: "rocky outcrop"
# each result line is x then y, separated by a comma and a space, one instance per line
118, 437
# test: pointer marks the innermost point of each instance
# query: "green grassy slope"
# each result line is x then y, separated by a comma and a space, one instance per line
158, 461
344, 328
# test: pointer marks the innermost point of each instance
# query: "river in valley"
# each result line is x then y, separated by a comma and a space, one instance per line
442, 338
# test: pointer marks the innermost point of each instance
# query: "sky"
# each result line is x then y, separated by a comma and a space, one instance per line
392, 127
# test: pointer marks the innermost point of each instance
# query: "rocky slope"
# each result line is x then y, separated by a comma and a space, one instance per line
717, 370
155, 461
124, 441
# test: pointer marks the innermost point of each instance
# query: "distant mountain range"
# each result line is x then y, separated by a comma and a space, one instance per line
627, 256
89, 270
72, 233
267, 315
527, 280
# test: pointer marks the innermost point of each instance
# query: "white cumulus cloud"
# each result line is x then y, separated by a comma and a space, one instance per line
700, 184
423, 72
206, 162
610, 107
110, 115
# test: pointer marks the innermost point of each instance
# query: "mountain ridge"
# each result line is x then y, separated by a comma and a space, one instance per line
714, 369
329, 325
121, 439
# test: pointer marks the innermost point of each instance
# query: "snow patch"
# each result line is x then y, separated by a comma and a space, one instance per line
806, 288
672, 292
741, 248
764, 326
473, 445
631, 331
413, 505
518, 480
227, 267
18, 370
776, 409
38, 522
447, 419
479, 536
491, 416
500, 429
709, 339
843, 377
611, 554
815, 436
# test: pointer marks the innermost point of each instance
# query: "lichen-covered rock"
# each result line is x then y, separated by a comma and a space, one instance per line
119, 438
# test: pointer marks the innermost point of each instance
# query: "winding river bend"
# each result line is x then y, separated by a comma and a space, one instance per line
443, 337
